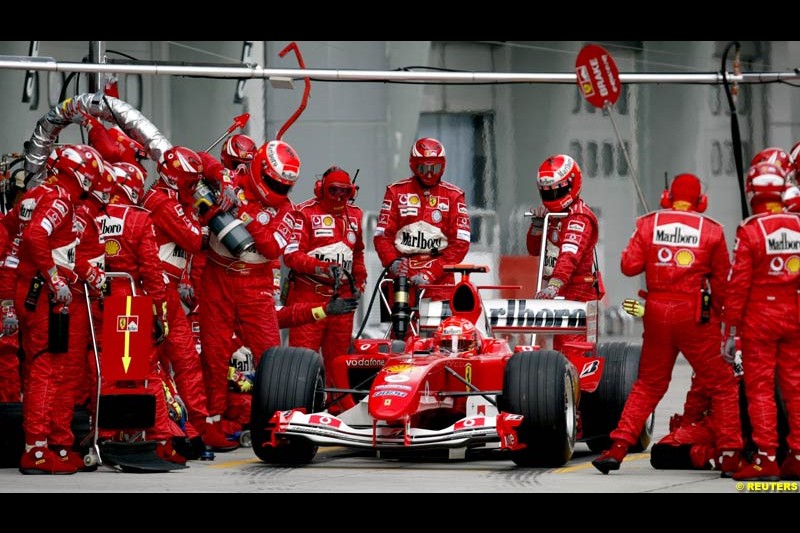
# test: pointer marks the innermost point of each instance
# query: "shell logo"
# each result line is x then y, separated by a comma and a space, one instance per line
327, 221
793, 264
399, 368
413, 199
684, 258
112, 247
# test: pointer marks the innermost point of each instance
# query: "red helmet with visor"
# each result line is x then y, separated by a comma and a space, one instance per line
238, 150
559, 182
427, 161
274, 171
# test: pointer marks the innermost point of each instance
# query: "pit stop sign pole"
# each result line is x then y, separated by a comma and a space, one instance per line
598, 79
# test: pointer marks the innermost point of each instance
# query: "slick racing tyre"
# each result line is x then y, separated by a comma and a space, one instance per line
287, 378
542, 386
602, 409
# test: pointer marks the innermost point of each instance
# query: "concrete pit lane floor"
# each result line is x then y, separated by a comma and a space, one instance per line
342, 470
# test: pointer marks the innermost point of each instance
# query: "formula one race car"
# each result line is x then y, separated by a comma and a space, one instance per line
410, 398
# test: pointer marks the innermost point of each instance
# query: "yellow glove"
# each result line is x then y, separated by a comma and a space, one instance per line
633, 307
160, 324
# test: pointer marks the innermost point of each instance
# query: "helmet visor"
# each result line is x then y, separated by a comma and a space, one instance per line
133, 194
767, 183
275, 186
455, 344
104, 197
425, 168
554, 192
84, 180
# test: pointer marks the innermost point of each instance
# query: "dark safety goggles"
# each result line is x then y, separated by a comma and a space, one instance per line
339, 193
424, 168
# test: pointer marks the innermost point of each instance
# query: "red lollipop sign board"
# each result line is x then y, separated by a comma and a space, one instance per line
598, 77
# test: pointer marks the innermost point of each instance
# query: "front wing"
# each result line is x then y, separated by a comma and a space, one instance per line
327, 430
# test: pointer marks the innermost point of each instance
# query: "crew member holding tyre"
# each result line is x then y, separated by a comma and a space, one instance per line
684, 258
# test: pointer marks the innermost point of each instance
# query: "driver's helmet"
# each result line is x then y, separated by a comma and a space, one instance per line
457, 336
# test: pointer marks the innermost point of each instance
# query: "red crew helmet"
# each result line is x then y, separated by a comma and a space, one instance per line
274, 171
335, 189
238, 150
427, 161
777, 156
180, 166
764, 186
103, 188
791, 199
80, 161
130, 181
559, 181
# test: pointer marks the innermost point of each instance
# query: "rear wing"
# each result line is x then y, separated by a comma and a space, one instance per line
539, 316
528, 316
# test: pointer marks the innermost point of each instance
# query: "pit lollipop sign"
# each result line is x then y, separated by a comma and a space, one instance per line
598, 79
598, 76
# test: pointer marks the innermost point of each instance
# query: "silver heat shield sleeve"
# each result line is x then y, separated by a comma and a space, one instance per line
100, 106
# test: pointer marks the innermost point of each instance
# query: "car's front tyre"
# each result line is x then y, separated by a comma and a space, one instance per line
287, 378
541, 386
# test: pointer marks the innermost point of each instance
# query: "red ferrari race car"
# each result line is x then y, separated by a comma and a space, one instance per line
410, 398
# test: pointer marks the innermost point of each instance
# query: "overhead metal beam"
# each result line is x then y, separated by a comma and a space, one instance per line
50, 64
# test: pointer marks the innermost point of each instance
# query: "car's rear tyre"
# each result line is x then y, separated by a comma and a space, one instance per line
286, 378
542, 386
601, 410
